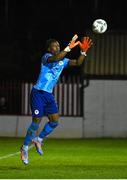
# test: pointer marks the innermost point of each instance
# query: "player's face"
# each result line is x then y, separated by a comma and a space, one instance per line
55, 48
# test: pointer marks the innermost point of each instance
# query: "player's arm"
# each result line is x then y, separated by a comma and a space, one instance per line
58, 56
85, 44
77, 62
63, 53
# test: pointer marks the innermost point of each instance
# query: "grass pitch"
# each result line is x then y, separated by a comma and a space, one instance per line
77, 158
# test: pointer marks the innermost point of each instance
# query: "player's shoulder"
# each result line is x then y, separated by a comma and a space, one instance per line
45, 57
47, 54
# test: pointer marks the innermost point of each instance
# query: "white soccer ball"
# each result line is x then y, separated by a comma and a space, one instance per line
99, 26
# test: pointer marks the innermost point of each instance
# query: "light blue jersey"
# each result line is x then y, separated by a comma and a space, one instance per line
50, 73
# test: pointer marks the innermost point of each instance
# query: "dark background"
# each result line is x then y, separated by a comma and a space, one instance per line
25, 25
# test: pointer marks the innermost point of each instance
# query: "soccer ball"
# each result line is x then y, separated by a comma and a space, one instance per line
99, 26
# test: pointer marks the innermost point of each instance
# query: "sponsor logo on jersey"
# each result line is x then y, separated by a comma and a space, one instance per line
60, 62
36, 111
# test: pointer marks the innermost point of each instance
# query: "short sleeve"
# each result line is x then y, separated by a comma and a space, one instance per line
66, 62
45, 58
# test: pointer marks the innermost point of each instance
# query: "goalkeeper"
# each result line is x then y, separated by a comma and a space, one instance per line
42, 100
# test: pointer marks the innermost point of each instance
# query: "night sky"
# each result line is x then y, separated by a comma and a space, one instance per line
26, 25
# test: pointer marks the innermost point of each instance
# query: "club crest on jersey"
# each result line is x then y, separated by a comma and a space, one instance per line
36, 112
60, 62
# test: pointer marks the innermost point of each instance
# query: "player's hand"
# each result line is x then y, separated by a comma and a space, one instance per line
72, 43
85, 44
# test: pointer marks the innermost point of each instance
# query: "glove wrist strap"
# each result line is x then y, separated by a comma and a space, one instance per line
83, 53
67, 49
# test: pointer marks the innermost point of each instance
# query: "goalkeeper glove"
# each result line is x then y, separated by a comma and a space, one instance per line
72, 43
85, 44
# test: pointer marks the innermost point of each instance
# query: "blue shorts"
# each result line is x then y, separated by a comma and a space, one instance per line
42, 103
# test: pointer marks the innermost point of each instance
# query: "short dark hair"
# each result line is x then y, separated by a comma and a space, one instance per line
49, 41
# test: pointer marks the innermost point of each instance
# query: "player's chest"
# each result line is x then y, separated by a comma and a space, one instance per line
57, 65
